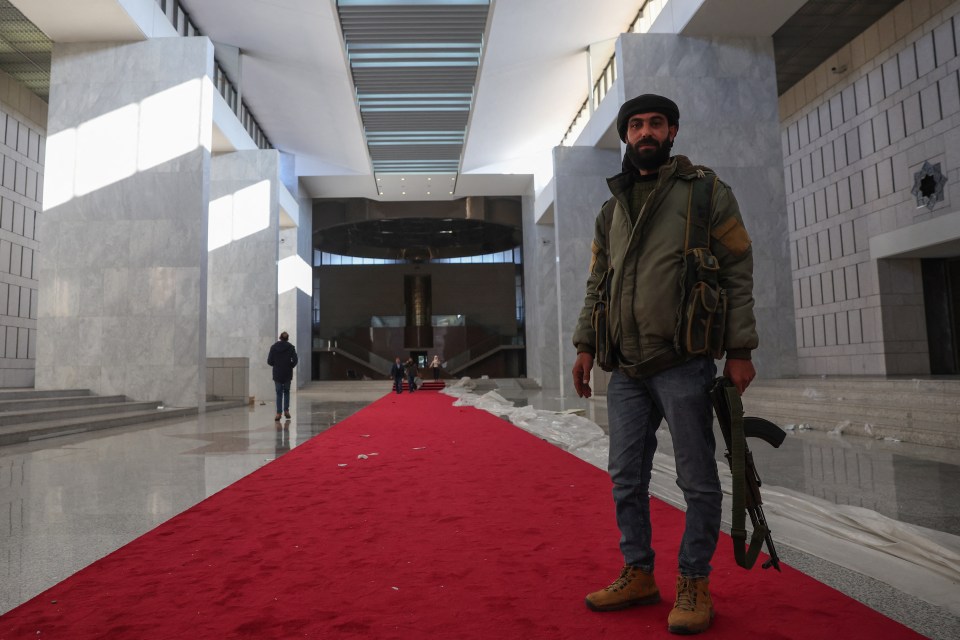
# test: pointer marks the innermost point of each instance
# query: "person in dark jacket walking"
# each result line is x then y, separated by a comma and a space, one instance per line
411, 368
283, 358
397, 372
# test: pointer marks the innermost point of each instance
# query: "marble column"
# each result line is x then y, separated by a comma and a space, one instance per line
300, 291
580, 178
244, 236
123, 263
727, 94
539, 294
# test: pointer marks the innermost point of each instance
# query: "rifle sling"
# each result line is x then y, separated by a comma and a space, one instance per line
738, 447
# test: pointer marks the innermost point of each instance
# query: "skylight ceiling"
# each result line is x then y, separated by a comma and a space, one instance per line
24, 50
414, 65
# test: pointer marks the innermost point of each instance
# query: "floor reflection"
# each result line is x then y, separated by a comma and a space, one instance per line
316, 417
910, 483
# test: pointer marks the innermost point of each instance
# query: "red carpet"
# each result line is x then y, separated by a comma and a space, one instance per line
462, 526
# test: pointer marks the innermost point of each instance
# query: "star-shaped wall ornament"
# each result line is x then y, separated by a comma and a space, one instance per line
928, 185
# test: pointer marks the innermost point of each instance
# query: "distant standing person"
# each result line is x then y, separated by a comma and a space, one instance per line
435, 365
397, 372
283, 358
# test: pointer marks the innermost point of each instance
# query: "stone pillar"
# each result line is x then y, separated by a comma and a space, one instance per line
242, 305
296, 297
580, 177
727, 94
123, 265
539, 293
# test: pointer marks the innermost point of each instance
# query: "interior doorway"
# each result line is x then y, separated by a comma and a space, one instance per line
420, 357
941, 301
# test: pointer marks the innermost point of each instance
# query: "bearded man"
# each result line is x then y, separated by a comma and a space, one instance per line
641, 269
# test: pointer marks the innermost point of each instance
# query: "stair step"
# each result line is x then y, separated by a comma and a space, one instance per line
916, 434
910, 410
427, 385
20, 433
24, 394
892, 413
53, 401
877, 397
71, 412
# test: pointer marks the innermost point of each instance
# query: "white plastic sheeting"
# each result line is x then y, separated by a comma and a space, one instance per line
918, 561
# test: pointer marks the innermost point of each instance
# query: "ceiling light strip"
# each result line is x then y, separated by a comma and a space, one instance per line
414, 66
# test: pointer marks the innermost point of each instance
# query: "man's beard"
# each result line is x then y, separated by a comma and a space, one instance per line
649, 159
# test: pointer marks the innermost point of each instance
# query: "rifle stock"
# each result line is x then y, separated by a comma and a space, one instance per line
735, 428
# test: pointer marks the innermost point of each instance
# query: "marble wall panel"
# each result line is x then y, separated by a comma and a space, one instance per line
242, 298
304, 304
289, 300
128, 264
581, 189
536, 238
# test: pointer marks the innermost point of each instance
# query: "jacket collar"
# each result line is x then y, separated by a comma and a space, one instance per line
678, 166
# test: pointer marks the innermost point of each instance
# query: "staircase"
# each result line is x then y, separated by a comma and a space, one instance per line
918, 411
28, 414
427, 385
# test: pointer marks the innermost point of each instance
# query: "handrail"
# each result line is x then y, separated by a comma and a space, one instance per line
486, 346
599, 90
372, 360
382, 365
184, 26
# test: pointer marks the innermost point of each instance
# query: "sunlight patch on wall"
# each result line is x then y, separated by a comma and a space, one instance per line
238, 215
169, 124
294, 273
116, 145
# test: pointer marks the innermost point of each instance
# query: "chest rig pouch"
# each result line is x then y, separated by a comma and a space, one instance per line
703, 312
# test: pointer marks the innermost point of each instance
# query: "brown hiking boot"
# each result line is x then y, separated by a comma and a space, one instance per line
693, 609
634, 586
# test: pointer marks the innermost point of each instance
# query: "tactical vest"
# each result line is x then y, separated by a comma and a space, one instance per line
704, 306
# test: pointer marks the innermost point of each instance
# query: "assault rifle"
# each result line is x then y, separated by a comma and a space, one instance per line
746, 483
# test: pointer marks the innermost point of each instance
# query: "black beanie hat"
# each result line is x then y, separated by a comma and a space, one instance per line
647, 103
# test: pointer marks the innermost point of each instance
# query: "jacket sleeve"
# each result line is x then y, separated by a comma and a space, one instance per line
293, 359
584, 337
270, 357
731, 245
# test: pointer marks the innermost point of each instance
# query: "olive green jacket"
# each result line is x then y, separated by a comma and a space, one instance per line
646, 292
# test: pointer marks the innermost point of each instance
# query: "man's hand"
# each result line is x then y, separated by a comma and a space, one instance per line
740, 372
581, 374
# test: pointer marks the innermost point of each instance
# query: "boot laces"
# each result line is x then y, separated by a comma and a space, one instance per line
621, 582
686, 595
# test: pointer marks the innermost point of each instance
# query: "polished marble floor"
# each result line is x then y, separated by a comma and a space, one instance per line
909, 483
65, 502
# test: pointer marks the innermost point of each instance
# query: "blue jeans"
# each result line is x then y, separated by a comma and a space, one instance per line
635, 409
283, 396
398, 384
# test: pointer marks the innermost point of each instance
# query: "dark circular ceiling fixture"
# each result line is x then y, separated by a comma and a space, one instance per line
417, 239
